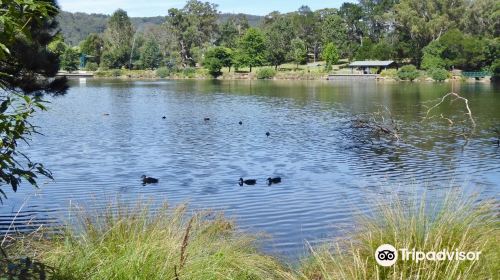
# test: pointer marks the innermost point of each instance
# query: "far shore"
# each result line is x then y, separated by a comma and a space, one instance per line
298, 75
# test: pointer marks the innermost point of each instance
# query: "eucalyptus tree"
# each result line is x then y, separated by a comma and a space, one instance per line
279, 35
194, 25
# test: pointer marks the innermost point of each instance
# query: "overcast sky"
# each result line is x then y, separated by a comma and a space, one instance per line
137, 8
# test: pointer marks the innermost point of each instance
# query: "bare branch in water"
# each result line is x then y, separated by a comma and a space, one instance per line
457, 97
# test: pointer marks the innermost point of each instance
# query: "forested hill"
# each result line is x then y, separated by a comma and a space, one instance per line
76, 26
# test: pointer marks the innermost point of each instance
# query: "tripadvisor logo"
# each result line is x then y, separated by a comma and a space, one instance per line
387, 255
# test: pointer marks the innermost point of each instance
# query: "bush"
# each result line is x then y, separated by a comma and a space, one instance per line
189, 72
91, 66
163, 72
389, 73
135, 243
408, 72
455, 224
438, 74
265, 73
116, 72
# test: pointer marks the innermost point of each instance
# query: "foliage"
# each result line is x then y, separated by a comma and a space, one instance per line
116, 73
298, 52
330, 55
150, 55
15, 112
495, 68
70, 60
163, 72
193, 26
266, 73
251, 50
57, 45
26, 63
216, 58
454, 223
438, 74
92, 46
91, 66
389, 73
231, 30
136, 243
279, 34
408, 72
118, 40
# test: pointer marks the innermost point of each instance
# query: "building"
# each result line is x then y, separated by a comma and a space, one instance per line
366, 65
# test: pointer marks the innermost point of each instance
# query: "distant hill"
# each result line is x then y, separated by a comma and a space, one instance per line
75, 27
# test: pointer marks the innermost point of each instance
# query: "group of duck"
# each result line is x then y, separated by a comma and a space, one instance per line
249, 182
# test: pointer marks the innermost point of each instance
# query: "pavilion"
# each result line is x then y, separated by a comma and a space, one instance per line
365, 65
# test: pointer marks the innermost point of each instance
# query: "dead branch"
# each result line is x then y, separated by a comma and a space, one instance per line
457, 96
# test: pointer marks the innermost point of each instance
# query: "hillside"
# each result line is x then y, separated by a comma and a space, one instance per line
76, 26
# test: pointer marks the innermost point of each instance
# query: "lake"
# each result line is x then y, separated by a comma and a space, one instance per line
103, 135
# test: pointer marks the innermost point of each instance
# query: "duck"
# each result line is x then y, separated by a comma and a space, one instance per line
149, 180
241, 123
268, 134
206, 119
249, 182
275, 180
164, 117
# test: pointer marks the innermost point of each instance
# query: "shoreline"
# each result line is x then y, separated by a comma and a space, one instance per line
280, 76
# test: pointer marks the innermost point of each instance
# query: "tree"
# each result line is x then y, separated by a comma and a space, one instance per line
118, 40
279, 34
26, 66
298, 52
251, 50
231, 30
306, 25
70, 60
334, 30
216, 58
423, 21
150, 55
93, 46
57, 46
193, 26
330, 55
408, 72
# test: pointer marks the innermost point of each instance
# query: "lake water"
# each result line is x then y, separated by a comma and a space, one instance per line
328, 173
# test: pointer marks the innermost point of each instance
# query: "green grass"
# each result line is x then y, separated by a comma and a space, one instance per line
456, 223
133, 243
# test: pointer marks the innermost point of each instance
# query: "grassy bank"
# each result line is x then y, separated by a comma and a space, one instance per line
134, 243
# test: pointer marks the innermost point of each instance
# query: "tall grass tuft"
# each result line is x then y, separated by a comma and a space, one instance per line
457, 223
134, 243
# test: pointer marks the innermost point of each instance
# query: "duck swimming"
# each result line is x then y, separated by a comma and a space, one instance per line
206, 119
268, 134
249, 182
240, 122
271, 181
149, 180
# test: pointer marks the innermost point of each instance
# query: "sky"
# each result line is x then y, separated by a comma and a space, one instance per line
137, 8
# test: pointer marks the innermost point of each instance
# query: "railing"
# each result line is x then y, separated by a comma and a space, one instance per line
476, 74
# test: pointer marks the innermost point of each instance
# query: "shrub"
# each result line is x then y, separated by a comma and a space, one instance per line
163, 72
265, 73
135, 243
455, 224
91, 66
189, 72
389, 73
116, 72
408, 72
438, 74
